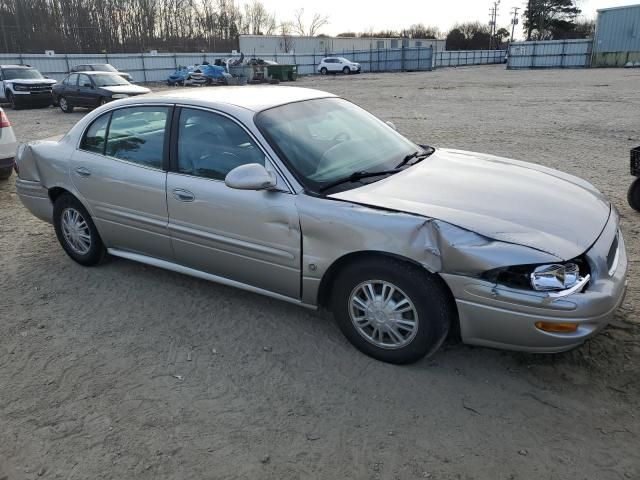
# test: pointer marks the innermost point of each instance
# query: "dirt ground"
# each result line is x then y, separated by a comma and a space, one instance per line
126, 371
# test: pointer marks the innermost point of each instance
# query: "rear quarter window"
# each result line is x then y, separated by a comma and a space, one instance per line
94, 137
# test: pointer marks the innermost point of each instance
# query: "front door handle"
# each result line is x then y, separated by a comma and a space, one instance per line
83, 172
183, 195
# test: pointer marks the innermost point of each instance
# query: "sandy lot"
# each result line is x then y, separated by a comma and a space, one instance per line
126, 371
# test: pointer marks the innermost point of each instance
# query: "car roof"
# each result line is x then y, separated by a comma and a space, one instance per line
251, 97
95, 72
16, 66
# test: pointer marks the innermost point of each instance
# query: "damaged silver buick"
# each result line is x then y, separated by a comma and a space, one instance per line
303, 196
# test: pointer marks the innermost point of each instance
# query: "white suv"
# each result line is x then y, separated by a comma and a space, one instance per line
24, 85
338, 64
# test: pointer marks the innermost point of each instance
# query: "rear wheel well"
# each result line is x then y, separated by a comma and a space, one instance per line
55, 192
328, 279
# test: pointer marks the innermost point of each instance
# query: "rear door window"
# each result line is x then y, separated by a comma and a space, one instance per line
137, 135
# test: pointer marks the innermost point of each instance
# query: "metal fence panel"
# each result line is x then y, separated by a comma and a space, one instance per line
155, 68
550, 54
457, 58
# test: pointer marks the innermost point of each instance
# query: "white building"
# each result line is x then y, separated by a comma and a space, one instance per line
276, 44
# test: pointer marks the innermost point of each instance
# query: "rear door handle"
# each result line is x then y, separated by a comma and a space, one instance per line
183, 195
83, 172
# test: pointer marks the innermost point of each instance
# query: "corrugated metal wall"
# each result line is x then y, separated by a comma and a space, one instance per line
617, 39
550, 54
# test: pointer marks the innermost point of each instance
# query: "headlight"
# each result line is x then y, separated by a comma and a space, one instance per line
116, 96
20, 88
555, 277
542, 278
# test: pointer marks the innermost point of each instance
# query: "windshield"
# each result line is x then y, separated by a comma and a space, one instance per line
108, 80
104, 68
14, 73
328, 139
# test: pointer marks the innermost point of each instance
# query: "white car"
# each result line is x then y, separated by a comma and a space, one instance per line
23, 85
8, 146
338, 64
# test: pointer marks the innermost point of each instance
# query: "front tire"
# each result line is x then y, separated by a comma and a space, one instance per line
76, 231
633, 196
11, 98
64, 105
391, 310
346, 70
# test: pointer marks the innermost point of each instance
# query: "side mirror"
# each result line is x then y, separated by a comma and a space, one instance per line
392, 125
251, 176
87, 85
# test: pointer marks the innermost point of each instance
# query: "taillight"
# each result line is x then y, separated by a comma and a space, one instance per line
4, 121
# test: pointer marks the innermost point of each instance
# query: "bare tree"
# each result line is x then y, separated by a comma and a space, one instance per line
299, 24
287, 43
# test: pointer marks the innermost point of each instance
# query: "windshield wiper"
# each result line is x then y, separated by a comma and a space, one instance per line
356, 176
419, 155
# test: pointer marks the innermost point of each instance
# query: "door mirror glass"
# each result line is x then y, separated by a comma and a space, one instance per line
87, 84
251, 176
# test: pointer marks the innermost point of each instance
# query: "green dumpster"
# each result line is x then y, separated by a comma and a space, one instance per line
284, 73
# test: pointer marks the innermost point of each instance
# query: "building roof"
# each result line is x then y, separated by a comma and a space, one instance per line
252, 97
636, 5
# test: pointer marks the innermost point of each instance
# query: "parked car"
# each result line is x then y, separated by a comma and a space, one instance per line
92, 89
305, 197
8, 146
337, 65
186, 76
101, 67
23, 85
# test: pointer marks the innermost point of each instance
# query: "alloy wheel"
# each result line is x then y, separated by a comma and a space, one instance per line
383, 314
76, 231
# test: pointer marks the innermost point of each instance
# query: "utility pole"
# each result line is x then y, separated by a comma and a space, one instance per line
493, 13
514, 21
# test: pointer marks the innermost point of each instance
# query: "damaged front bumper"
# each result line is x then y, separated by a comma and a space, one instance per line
496, 316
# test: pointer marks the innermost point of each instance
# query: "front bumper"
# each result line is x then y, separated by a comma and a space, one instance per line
36, 198
33, 98
496, 316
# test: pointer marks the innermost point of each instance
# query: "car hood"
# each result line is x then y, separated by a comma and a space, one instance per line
499, 198
32, 81
128, 89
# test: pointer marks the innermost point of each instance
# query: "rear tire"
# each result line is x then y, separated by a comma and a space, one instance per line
76, 231
5, 172
633, 195
64, 105
323, 71
391, 310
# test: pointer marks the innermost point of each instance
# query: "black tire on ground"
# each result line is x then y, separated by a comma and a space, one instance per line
323, 71
346, 70
12, 100
64, 105
428, 295
102, 101
5, 172
96, 251
633, 196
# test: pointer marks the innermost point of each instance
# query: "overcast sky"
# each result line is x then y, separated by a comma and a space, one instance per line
360, 15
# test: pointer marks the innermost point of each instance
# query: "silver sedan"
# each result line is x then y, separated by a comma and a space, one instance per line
303, 196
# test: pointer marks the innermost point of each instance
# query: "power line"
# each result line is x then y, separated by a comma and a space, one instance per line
493, 13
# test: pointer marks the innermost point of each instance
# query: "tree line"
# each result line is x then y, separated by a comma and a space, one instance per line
93, 26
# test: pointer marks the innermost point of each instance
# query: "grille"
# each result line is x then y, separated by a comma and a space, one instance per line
40, 88
635, 161
612, 256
